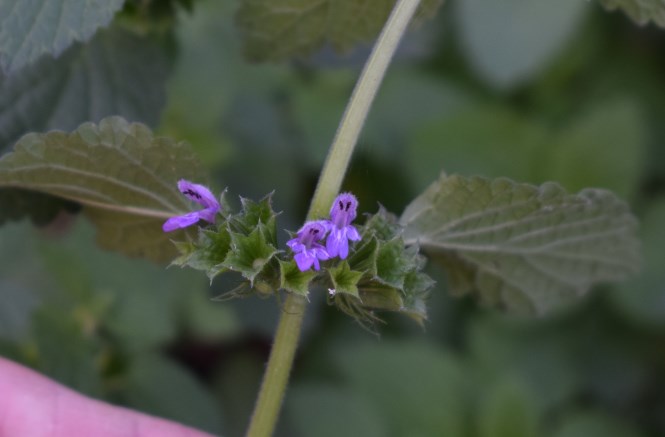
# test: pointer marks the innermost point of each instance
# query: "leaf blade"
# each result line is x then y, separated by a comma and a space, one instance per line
123, 176
87, 83
529, 248
30, 30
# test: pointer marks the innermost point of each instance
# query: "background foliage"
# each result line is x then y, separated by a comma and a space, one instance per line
559, 91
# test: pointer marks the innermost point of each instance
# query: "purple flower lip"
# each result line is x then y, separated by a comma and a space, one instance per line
308, 252
342, 213
202, 196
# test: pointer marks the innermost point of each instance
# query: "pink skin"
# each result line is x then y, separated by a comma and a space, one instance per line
33, 406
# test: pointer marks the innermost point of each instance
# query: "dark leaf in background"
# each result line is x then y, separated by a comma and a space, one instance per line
31, 28
41, 208
508, 410
604, 146
641, 11
419, 391
333, 411
509, 42
123, 176
117, 73
163, 388
525, 248
278, 30
66, 352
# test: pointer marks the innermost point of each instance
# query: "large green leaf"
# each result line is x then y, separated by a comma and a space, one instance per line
117, 73
276, 30
642, 11
510, 41
523, 247
123, 176
31, 28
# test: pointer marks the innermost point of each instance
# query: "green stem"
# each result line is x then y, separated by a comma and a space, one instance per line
356, 112
288, 330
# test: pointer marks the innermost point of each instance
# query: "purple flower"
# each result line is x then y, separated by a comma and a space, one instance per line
342, 213
306, 248
202, 196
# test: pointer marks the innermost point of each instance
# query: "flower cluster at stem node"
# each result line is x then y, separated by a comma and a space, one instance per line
306, 247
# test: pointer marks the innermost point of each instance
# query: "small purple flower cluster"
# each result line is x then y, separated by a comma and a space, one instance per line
306, 247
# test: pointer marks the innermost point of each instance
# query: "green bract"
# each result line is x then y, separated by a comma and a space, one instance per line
381, 273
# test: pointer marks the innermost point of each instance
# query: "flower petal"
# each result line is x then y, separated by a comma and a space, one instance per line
304, 261
181, 221
352, 233
333, 242
199, 194
208, 214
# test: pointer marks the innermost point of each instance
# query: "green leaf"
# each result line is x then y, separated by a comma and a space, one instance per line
345, 280
249, 253
612, 136
277, 30
122, 176
66, 352
292, 279
507, 145
87, 83
496, 36
530, 248
29, 29
641, 11
508, 410
161, 387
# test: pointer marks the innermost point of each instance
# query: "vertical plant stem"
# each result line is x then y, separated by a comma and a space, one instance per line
356, 112
283, 350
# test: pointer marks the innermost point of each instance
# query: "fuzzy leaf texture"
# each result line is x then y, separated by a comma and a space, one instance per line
641, 11
521, 247
86, 83
31, 28
275, 30
123, 177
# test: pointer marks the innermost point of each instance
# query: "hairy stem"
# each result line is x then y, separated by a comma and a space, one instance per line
356, 112
283, 350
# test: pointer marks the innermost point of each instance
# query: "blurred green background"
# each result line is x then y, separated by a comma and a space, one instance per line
534, 91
